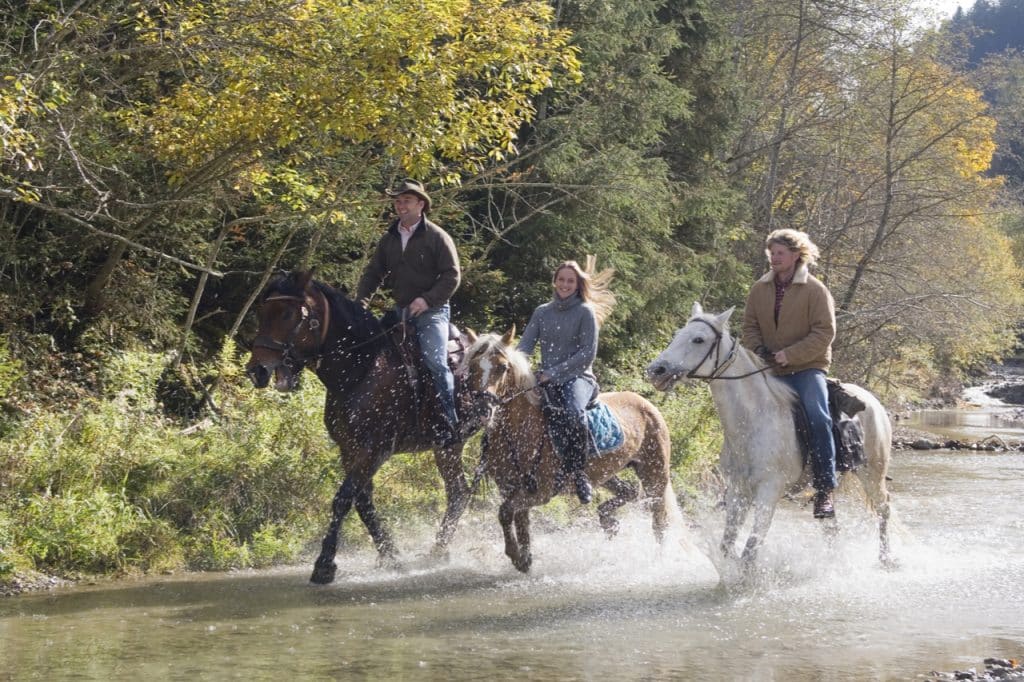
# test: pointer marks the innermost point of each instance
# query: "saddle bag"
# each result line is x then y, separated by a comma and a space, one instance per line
849, 437
847, 431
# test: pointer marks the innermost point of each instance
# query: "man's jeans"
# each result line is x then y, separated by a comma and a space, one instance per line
432, 332
809, 384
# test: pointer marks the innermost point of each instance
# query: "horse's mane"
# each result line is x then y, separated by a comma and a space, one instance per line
360, 323
521, 373
779, 389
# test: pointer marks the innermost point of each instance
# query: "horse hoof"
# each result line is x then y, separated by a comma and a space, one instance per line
890, 564
523, 563
388, 562
323, 574
440, 554
611, 527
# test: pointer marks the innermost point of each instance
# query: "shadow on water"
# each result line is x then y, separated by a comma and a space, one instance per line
241, 595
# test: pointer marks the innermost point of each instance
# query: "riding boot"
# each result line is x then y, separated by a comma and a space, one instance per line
574, 457
584, 491
823, 508
571, 438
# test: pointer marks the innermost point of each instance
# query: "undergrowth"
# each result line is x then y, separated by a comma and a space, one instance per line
117, 486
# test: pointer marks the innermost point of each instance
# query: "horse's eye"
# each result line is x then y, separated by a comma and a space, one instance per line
699, 340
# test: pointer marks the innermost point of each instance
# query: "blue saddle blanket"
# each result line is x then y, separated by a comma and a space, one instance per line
605, 427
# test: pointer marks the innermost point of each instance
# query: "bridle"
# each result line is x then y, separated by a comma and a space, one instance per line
719, 368
288, 359
495, 400
306, 318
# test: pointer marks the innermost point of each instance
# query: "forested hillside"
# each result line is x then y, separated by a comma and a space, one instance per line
161, 160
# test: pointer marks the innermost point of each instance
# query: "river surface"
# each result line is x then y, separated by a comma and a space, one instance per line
591, 609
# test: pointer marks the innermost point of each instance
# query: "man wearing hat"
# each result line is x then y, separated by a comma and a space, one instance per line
417, 260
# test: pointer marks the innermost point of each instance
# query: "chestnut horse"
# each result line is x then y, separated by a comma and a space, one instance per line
519, 456
371, 410
761, 458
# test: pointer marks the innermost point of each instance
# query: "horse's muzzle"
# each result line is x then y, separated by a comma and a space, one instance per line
259, 375
660, 376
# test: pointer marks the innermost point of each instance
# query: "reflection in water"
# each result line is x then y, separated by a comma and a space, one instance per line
971, 425
592, 609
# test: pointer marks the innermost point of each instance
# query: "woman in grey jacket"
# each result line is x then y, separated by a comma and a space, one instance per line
566, 329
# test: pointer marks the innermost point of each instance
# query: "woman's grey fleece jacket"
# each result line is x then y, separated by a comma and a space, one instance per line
567, 332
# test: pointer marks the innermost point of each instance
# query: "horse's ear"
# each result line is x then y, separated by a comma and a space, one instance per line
723, 317
302, 278
696, 310
510, 336
471, 335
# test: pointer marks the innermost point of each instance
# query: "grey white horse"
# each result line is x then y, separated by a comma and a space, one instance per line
761, 459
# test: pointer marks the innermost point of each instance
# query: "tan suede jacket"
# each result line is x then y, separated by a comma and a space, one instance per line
807, 321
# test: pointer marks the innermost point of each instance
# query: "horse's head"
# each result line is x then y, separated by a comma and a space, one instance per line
695, 350
293, 317
495, 369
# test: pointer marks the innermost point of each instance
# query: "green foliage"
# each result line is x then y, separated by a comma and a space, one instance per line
77, 530
621, 165
10, 369
116, 485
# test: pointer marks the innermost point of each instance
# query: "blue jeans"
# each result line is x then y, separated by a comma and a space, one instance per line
432, 332
565, 411
809, 384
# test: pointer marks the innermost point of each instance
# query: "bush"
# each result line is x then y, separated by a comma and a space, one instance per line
118, 485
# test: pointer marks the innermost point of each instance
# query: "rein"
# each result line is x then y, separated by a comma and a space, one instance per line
287, 346
719, 368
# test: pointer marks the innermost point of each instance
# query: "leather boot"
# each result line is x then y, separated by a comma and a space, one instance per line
823, 508
584, 492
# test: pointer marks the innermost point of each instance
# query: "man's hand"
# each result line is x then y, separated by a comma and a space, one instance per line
781, 359
418, 306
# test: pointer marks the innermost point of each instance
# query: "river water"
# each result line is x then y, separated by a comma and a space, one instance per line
591, 609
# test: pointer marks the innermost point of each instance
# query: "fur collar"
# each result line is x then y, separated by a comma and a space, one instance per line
799, 277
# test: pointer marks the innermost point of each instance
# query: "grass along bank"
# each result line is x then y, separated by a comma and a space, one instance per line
115, 486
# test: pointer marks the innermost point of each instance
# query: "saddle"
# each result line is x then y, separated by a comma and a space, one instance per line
403, 338
847, 431
605, 431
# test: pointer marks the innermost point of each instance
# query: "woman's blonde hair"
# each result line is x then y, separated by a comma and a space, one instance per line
594, 287
794, 240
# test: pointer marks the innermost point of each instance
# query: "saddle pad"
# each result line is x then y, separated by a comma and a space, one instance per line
604, 427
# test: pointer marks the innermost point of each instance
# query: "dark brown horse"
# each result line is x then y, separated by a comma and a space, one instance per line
372, 410
520, 457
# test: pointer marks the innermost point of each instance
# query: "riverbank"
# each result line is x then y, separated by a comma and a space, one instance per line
31, 582
1002, 669
35, 581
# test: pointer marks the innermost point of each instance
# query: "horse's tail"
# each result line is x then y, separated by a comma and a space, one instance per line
673, 511
676, 525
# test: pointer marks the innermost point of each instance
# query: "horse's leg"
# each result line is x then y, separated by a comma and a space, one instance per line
522, 518
386, 553
735, 512
449, 464
872, 478
507, 517
653, 471
624, 492
765, 500
324, 568
360, 467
